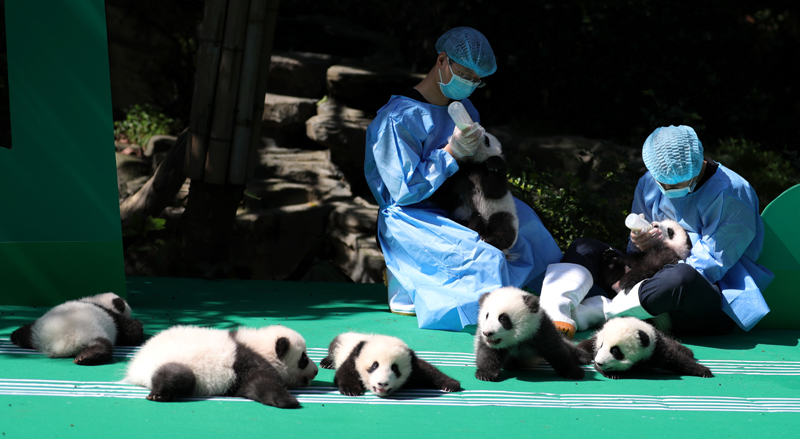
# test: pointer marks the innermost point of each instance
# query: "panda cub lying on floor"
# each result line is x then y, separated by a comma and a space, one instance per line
86, 329
477, 195
514, 332
382, 364
625, 344
257, 364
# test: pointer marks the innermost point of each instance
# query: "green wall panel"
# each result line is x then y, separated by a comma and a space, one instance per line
58, 184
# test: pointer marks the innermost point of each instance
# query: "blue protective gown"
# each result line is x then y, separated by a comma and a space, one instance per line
723, 222
442, 265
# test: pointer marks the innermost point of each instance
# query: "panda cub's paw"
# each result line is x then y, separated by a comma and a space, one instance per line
487, 375
326, 363
450, 385
496, 164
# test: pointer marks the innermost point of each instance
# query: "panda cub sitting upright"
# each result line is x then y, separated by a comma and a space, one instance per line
382, 364
257, 364
86, 329
513, 332
625, 344
675, 246
477, 195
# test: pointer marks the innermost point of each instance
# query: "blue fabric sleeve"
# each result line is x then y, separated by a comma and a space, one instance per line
729, 228
409, 177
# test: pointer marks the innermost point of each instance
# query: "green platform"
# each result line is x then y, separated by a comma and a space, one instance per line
756, 391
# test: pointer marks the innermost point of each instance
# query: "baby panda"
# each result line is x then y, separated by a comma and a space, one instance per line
513, 332
381, 364
86, 329
258, 364
625, 344
676, 246
477, 195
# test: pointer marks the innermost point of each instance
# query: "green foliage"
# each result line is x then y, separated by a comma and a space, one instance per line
769, 172
569, 208
141, 123
136, 231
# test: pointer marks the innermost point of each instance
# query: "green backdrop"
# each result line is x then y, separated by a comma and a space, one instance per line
60, 232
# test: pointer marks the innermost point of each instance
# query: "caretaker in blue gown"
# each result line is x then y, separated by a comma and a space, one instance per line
436, 267
715, 289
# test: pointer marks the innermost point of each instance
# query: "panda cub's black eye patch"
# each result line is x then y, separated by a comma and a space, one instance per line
373, 367
617, 353
670, 232
396, 370
505, 321
303, 361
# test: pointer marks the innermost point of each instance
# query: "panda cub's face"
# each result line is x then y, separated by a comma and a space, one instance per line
285, 349
623, 342
675, 237
384, 364
300, 369
489, 146
507, 316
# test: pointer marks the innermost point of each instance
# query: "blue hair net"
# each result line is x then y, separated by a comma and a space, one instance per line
673, 154
469, 48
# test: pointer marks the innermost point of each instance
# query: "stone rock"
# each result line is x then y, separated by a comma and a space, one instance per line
157, 144
337, 36
573, 155
299, 73
367, 87
286, 113
131, 166
352, 234
344, 131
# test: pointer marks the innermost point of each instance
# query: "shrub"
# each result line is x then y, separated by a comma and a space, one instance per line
141, 123
570, 209
769, 172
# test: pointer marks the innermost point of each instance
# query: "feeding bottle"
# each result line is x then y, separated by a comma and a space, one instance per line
637, 223
459, 115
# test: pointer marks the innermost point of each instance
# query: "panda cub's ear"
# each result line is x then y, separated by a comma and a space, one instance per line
644, 339
532, 302
119, 304
482, 298
281, 347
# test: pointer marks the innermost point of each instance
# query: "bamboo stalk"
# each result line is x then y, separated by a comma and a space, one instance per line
230, 67
240, 144
208, 54
270, 19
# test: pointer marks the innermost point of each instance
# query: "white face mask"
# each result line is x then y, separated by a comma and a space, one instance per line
457, 88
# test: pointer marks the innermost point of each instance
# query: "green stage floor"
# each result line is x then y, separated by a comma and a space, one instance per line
755, 392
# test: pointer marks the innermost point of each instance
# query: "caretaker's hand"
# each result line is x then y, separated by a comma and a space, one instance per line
645, 240
464, 143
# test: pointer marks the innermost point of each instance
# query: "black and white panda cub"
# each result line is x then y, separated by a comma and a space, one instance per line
382, 364
86, 329
258, 364
676, 246
477, 195
513, 332
625, 344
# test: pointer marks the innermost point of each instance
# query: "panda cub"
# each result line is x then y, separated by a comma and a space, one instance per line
513, 332
477, 195
381, 364
625, 344
676, 246
86, 329
257, 364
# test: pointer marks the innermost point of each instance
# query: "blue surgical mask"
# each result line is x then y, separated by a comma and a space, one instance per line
678, 193
457, 88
